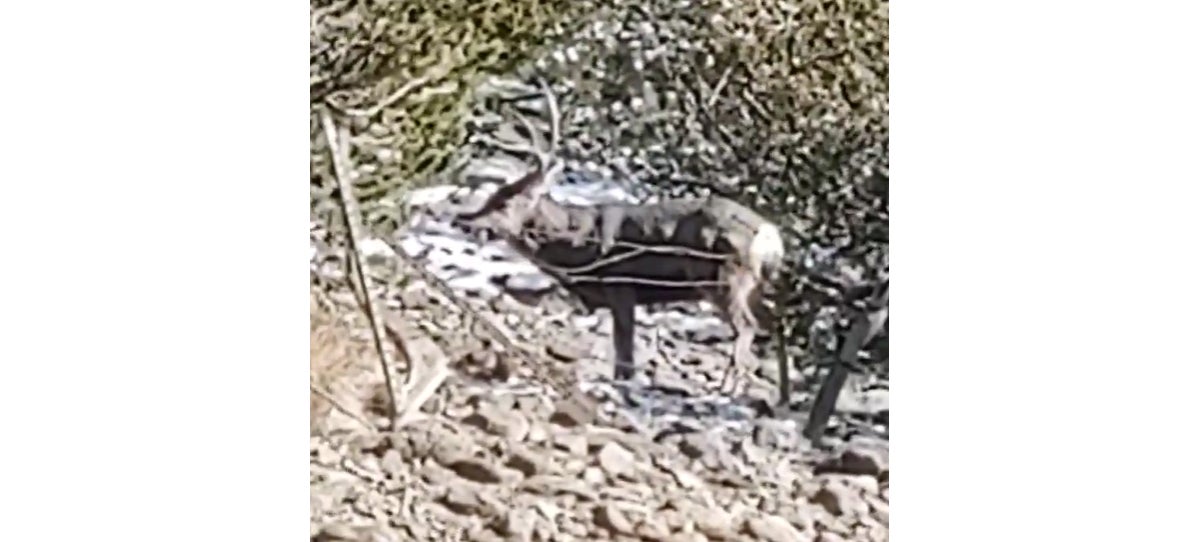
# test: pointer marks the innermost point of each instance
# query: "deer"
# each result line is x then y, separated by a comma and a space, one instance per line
620, 256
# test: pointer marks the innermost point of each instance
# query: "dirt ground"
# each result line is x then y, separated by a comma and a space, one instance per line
527, 438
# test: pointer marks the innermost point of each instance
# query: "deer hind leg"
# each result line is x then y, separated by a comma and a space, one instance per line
622, 301
741, 317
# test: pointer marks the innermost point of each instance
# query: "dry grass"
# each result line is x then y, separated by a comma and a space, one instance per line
340, 366
345, 386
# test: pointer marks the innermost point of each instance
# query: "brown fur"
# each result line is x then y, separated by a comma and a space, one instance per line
621, 256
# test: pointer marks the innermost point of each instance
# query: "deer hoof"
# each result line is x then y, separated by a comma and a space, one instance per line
623, 371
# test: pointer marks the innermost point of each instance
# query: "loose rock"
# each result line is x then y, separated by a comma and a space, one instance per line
461, 499
830, 536
476, 470
567, 352
773, 528
574, 444
687, 536
616, 461
840, 499
574, 411
393, 464
518, 524
715, 524
611, 518
511, 424
858, 460
528, 463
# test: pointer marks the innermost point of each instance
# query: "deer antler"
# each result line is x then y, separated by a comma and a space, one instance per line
533, 186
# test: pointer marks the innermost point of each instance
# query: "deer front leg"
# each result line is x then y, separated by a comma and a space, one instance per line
741, 318
622, 301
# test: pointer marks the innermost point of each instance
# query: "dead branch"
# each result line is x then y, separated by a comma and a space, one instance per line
720, 86
350, 212
868, 324
419, 390
437, 72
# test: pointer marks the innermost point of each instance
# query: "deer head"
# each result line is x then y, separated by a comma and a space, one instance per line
515, 202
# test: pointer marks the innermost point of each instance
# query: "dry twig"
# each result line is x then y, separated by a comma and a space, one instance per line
422, 381
716, 91
436, 72
868, 324
419, 390
350, 211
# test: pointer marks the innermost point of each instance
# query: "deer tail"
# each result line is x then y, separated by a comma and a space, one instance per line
766, 250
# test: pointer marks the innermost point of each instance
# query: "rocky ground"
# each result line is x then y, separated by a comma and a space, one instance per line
529, 439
